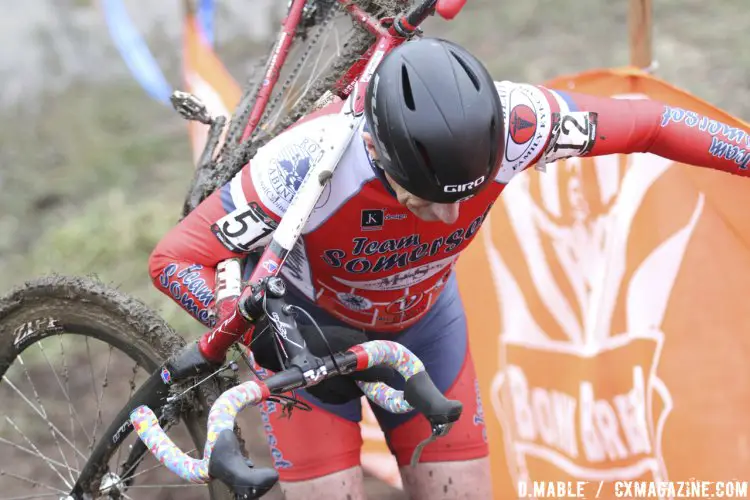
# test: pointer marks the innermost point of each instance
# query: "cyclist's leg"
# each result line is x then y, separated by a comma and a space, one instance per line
316, 453
456, 465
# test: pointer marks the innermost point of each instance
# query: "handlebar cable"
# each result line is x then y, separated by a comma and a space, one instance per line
277, 344
320, 332
290, 402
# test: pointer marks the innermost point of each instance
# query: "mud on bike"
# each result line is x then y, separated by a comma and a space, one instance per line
192, 390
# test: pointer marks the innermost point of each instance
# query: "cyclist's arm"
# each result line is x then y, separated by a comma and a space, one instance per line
183, 264
644, 126
235, 220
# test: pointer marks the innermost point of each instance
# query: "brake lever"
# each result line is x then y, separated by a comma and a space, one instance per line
438, 430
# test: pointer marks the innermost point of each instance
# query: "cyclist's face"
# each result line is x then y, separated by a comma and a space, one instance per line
425, 210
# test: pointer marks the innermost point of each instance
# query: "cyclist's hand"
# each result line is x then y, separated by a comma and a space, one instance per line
336, 390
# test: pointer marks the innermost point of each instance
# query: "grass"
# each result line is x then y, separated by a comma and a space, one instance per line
95, 180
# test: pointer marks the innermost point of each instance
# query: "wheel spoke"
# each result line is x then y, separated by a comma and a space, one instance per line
35, 495
288, 96
105, 382
43, 414
36, 410
93, 387
139, 473
33, 446
65, 460
34, 453
31, 481
183, 485
71, 409
268, 123
314, 73
54, 408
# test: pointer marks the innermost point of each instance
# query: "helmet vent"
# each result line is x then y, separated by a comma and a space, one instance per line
406, 87
493, 141
422, 152
426, 159
472, 76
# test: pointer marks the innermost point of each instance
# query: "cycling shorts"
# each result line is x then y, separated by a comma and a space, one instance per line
328, 439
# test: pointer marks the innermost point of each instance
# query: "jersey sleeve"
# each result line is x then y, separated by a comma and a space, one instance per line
584, 125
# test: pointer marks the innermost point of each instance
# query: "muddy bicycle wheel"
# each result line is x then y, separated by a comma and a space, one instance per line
327, 43
72, 353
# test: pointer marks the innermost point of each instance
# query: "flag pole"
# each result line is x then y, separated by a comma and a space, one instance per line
640, 24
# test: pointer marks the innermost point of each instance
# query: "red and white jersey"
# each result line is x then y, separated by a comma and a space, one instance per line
370, 262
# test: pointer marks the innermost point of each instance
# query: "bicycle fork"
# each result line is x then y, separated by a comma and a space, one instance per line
154, 393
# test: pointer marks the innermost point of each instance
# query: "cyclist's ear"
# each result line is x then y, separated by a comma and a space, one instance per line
370, 145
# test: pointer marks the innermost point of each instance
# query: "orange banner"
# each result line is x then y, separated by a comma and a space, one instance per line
609, 332
207, 78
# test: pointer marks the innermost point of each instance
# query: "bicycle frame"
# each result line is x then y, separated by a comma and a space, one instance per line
389, 34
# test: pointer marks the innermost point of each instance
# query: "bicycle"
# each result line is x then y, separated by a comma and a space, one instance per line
379, 25
193, 377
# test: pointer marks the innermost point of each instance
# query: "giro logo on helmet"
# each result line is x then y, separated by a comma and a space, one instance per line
460, 188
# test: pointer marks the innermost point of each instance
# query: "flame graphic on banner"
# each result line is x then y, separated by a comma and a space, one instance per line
555, 430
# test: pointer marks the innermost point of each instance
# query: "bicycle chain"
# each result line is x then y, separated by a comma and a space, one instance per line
302, 60
239, 154
339, 68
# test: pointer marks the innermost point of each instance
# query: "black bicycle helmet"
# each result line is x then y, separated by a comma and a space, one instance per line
436, 119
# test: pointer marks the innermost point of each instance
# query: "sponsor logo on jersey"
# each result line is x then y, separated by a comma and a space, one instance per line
270, 266
522, 124
729, 143
527, 123
374, 255
189, 290
478, 419
704, 124
292, 165
285, 168
354, 302
404, 279
267, 409
373, 219
405, 303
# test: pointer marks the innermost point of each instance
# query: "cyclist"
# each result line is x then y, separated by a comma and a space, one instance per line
439, 142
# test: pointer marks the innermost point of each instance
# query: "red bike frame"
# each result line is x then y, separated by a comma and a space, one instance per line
390, 37
389, 32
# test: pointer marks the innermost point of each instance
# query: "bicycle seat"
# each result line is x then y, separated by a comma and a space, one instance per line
229, 466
